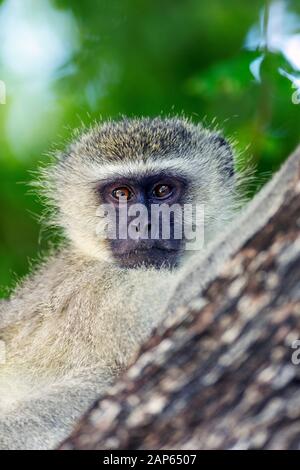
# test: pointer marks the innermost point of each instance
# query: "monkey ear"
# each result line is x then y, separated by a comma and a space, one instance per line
226, 154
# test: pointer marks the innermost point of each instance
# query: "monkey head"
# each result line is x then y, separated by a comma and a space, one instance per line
108, 184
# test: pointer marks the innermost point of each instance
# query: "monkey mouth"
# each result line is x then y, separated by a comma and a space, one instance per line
156, 257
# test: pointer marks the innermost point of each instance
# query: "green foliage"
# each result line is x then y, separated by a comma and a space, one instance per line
136, 57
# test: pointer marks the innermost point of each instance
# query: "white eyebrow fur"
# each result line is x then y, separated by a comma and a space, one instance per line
106, 171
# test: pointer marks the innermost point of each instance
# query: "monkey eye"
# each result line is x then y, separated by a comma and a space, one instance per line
122, 193
162, 191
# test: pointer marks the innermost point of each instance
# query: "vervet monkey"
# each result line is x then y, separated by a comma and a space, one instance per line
75, 322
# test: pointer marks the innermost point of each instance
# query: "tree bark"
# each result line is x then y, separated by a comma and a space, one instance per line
221, 373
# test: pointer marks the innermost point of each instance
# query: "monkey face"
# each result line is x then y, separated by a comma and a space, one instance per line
145, 220
135, 164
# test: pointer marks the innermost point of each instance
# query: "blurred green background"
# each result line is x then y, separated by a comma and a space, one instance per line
64, 63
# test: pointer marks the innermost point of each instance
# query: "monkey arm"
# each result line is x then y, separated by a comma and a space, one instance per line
32, 294
44, 419
44, 289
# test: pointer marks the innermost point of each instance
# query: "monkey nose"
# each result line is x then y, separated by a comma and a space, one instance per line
142, 229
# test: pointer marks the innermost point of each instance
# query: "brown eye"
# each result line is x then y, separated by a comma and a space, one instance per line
122, 193
162, 191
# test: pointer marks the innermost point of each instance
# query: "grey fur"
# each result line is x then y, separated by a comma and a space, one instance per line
74, 324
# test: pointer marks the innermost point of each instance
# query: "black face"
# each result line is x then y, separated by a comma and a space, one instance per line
150, 236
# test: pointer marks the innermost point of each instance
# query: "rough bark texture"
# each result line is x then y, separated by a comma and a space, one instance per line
219, 373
